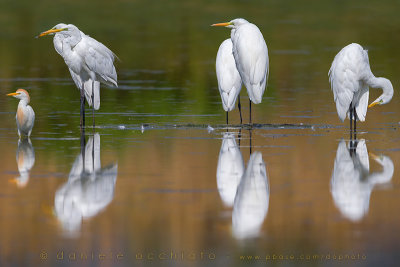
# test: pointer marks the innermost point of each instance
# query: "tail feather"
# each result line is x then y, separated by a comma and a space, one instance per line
88, 85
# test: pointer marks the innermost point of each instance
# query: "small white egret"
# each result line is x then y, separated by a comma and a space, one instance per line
350, 77
229, 81
25, 160
251, 56
25, 115
89, 61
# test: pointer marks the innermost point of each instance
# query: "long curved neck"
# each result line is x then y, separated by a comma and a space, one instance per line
68, 43
385, 84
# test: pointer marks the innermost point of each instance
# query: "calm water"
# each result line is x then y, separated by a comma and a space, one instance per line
161, 180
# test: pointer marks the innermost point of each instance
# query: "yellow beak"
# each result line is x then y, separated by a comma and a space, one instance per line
373, 156
373, 104
13, 181
223, 24
50, 31
12, 94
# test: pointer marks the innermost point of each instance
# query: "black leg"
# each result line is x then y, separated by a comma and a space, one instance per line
82, 107
93, 154
240, 136
227, 118
240, 109
93, 102
83, 148
351, 123
250, 110
355, 123
251, 146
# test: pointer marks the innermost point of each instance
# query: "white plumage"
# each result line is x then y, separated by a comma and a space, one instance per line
25, 116
350, 77
229, 81
230, 169
352, 184
89, 61
89, 188
25, 160
252, 199
251, 56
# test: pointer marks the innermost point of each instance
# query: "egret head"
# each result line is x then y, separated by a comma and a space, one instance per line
387, 95
64, 29
235, 23
21, 94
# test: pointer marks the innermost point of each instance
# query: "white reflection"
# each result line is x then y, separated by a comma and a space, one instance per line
25, 161
252, 199
89, 188
351, 183
229, 170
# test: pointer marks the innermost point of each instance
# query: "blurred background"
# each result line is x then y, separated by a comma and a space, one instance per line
165, 196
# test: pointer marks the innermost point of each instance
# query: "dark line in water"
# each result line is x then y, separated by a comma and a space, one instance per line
267, 126
168, 191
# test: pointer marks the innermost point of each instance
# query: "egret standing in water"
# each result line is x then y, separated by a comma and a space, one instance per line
229, 81
350, 77
25, 115
251, 57
89, 61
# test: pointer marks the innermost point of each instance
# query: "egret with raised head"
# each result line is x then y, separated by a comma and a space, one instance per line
251, 57
25, 116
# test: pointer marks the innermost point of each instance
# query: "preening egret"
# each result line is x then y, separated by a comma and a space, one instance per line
89, 61
351, 183
25, 115
229, 81
350, 77
251, 57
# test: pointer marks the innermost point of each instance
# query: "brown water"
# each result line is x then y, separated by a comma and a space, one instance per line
159, 180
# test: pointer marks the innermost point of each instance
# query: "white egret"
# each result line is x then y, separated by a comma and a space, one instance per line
89, 61
25, 160
230, 169
350, 77
229, 81
251, 57
351, 183
251, 200
89, 189
25, 115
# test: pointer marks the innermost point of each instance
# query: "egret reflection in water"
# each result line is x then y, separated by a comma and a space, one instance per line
251, 200
230, 169
25, 161
89, 188
351, 183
